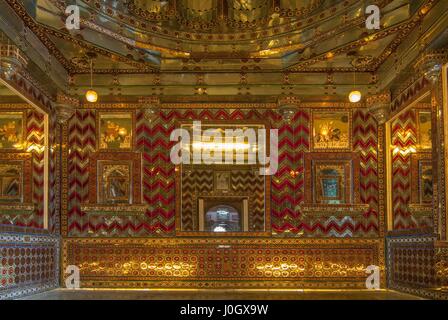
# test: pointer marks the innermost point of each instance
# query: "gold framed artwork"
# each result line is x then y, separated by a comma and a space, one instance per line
421, 179
15, 178
331, 130
424, 129
11, 130
115, 131
115, 182
115, 178
333, 179
329, 182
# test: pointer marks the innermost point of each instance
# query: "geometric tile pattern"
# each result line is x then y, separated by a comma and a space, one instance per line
411, 262
28, 264
205, 262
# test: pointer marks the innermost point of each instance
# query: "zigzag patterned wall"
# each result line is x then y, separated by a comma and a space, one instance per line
404, 145
287, 189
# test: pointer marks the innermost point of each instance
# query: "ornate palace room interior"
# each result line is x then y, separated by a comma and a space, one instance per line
101, 198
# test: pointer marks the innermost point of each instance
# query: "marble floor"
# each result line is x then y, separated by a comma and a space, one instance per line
207, 294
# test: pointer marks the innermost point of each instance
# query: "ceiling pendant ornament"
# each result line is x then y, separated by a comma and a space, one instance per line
430, 64
287, 107
379, 106
150, 108
65, 107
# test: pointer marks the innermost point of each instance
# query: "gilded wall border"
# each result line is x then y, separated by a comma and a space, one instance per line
440, 107
114, 106
381, 182
64, 180
415, 92
226, 252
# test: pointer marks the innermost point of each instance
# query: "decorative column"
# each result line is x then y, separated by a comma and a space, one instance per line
379, 107
430, 65
65, 107
287, 107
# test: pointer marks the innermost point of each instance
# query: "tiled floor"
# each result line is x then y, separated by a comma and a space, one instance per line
99, 294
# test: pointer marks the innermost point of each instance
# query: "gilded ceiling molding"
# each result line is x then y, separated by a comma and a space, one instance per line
430, 64
38, 31
404, 29
379, 106
140, 66
307, 17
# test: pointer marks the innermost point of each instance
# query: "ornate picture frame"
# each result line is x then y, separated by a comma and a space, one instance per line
331, 130
12, 130
97, 163
347, 164
24, 162
424, 129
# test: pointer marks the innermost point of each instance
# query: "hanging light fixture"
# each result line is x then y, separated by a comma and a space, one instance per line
355, 95
91, 95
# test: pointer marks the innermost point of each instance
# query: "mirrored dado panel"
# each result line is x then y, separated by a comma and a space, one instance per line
222, 187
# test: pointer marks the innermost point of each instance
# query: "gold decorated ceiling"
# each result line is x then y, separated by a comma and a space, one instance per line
231, 46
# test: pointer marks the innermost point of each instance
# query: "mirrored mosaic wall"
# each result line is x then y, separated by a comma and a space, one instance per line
22, 147
412, 181
29, 250
339, 150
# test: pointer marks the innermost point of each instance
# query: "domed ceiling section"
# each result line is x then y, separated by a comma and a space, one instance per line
191, 35
229, 47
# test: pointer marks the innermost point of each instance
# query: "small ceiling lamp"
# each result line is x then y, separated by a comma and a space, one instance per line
355, 95
91, 95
